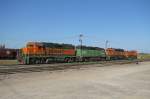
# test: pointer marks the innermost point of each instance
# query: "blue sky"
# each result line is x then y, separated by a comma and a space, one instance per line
124, 23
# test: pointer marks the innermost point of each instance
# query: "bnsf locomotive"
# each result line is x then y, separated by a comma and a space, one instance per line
43, 52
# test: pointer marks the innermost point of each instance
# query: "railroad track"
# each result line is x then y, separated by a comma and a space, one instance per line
12, 69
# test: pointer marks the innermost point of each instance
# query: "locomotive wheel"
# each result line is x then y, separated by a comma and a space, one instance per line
42, 61
66, 60
37, 61
47, 61
32, 61
70, 60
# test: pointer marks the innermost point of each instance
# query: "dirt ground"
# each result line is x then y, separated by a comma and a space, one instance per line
128, 81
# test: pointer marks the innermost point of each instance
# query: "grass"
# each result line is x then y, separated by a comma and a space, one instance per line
8, 62
144, 56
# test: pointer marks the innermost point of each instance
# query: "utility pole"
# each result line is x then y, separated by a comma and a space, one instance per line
106, 44
80, 40
2, 46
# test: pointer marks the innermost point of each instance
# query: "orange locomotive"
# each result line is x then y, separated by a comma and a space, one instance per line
40, 52
131, 54
117, 54
36, 48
